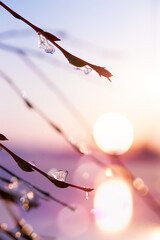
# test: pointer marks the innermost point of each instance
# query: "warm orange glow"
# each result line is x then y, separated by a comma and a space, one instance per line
113, 133
154, 234
113, 205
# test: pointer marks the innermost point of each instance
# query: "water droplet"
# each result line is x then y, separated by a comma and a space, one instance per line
85, 69
138, 183
83, 148
58, 174
18, 234
24, 200
32, 163
14, 185
24, 94
30, 195
140, 186
3, 226
109, 172
43, 43
144, 190
72, 140
35, 236
14, 179
87, 195
27, 229
22, 222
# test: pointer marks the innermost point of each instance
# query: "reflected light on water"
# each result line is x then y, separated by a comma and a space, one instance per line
113, 133
113, 205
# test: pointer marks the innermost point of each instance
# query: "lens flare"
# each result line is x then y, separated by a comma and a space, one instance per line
113, 205
113, 133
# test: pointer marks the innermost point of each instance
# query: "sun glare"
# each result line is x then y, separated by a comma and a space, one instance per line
113, 205
113, 133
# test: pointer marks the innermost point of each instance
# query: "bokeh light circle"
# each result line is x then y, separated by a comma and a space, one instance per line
113, 205
113, 133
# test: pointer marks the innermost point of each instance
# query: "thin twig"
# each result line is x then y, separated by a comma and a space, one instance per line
47, 194
151, 202
10, 234
149, 199
75, 61
70, 140
28, 167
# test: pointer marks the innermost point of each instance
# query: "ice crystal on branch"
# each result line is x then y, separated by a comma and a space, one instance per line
59, 175
43, 43
44, 36
84, 69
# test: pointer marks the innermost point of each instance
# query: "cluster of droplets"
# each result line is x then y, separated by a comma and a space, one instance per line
27, 230
14, 183
25, 203
140, 186
85, 69
43, 43
59, 175
27, 198
23, 192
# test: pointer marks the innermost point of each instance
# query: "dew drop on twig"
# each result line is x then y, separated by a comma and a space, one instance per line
3, 226
18, 234
32, 163
72, 140
85, 69
14, 184
138, 183
35, 236
60, 175
140, 186
83, 148
144, 191
27, 229
109, 172
30, 195
87, 195
43, 43
25, 203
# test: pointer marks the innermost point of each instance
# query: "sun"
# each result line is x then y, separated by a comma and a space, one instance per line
113, 205
113, 133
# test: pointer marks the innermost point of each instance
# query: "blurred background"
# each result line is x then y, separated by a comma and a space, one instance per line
122, 36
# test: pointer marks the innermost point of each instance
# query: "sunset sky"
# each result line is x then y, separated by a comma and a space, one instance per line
122, 36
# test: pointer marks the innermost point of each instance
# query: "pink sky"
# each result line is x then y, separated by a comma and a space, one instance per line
122, 36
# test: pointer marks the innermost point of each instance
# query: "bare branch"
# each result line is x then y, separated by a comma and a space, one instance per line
46, 194
26, 166
74, 60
